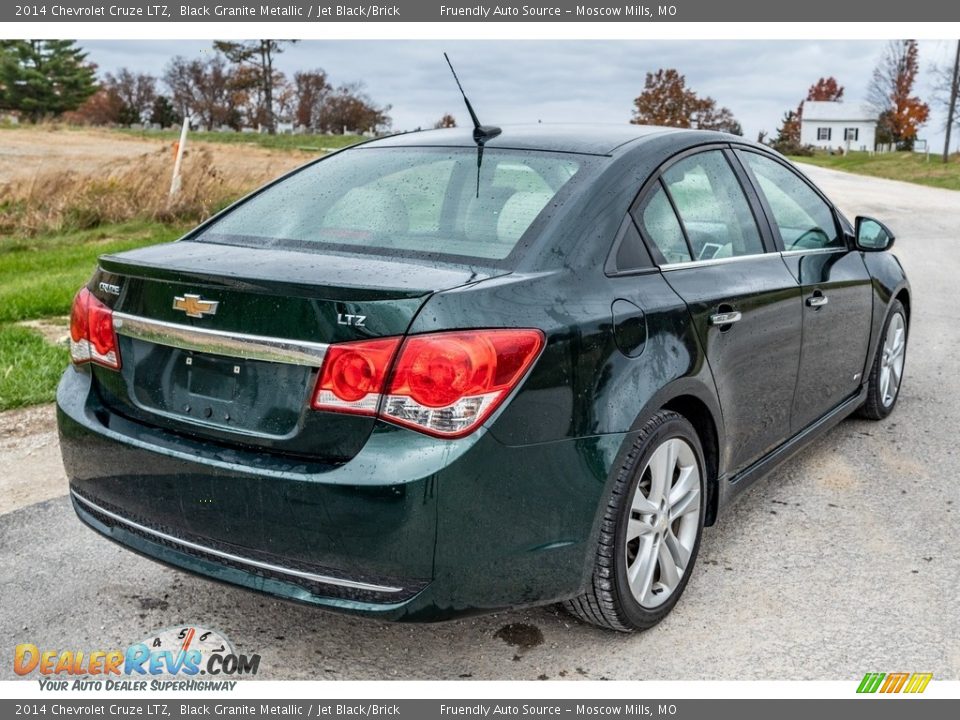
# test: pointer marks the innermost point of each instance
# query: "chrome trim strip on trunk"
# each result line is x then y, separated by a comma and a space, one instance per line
321, 579
219, 342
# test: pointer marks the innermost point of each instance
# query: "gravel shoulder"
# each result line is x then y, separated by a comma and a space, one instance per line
30, 458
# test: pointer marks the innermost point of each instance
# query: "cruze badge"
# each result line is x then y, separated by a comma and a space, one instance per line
195, 306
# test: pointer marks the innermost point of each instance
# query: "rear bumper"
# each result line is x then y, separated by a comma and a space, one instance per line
412, 528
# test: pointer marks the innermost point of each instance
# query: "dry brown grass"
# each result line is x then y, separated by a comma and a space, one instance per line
125, 189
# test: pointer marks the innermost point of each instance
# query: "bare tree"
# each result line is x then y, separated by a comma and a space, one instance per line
258, 54
349, 109
203, 88
136, 92
310, 89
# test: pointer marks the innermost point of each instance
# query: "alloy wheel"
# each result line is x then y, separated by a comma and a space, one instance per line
891, 362
663, 523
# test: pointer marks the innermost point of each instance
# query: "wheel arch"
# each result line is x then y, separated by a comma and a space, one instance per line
698, 413
698, 403
903, 295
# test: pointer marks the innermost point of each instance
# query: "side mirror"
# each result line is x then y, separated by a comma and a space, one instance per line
872, 235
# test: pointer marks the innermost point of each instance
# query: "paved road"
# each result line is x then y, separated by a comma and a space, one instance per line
845, 560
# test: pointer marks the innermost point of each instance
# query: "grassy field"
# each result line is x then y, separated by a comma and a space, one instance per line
39, 276
30, 367
38, 279
271, 142
70, 195
905, 166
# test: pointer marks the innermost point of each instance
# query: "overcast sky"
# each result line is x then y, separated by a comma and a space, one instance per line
564, 80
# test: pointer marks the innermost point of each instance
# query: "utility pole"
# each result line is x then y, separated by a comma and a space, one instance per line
952, 108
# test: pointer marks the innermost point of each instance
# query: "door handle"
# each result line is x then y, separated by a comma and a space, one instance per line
818, 299
725, 318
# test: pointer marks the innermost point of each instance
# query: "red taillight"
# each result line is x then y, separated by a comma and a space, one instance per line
353, 375
444, 384
92, 338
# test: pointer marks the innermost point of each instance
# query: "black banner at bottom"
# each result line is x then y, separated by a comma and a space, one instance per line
872, 708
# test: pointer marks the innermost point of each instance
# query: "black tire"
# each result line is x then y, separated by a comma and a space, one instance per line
609, 602
873, 407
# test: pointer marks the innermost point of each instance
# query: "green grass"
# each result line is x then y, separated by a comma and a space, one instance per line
30, 367
273, 142
905, 166
38, 278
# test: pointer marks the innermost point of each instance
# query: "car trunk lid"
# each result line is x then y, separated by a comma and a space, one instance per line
225, 342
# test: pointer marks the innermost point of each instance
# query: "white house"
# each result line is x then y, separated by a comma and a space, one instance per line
833, 125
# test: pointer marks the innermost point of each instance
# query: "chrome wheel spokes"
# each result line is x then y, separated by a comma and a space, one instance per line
891, 359
663, 523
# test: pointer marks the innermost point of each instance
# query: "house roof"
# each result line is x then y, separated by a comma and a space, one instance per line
840, 111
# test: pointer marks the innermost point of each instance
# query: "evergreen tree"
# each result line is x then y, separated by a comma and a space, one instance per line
163, 113
44, 78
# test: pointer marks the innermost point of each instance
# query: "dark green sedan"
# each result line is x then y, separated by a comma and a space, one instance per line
428, 376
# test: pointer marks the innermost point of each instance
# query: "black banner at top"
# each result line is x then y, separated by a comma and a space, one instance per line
826, 11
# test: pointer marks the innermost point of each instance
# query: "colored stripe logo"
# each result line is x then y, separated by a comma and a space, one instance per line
894, 683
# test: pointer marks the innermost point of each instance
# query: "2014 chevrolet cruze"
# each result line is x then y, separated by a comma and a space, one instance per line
437, 374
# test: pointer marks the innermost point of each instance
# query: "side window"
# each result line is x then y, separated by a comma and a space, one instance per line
712, 207
805, 221
660, 225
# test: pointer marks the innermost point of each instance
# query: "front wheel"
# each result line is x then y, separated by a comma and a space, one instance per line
651, 529
886, 374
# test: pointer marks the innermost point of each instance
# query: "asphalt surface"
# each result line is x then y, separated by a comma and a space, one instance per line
845, 560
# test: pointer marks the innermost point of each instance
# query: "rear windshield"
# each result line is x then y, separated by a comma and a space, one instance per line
403, 201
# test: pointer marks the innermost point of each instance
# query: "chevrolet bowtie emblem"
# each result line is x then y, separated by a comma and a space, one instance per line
195, 306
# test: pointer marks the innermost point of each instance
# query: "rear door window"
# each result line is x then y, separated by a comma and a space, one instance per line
712, 207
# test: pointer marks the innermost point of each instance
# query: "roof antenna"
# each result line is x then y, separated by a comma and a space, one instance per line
481, 133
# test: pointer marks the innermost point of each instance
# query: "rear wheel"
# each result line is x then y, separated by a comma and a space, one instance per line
887, 371
651, 529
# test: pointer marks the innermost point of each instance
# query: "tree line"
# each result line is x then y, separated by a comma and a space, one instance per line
234, 85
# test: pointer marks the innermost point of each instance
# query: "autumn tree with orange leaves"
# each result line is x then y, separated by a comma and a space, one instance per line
667, 101
826, 90
447, 121
891, 94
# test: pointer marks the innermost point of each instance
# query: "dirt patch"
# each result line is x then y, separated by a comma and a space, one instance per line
55, 330
30, 458
836, 473
26, 153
